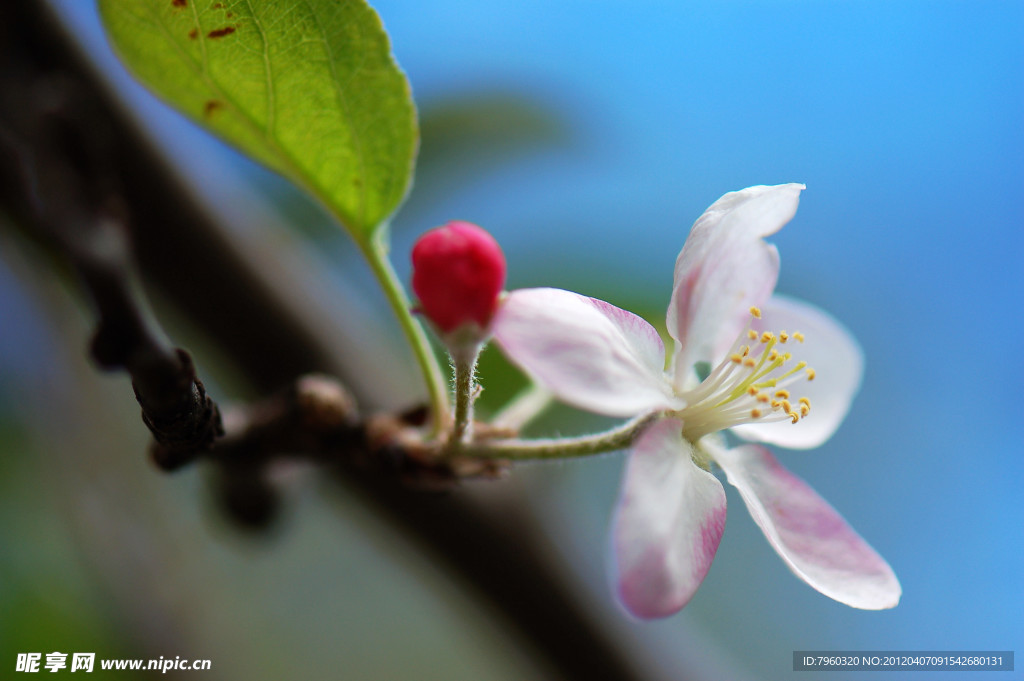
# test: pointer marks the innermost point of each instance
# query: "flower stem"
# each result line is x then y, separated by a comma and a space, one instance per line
464, 362
617, 438
376, 253
525, 406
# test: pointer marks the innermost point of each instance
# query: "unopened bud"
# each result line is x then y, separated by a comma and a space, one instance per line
458, 275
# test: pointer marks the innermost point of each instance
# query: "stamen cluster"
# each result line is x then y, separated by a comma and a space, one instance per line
748, 386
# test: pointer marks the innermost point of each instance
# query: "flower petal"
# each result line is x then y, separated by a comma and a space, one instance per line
669, 522
587, 352
809, 535
725, 267
838, 364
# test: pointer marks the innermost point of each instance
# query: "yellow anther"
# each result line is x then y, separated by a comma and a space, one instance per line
752, 391
804, 410
799, 336
773, 355
763, 397
776, 404
755, 413
755, 312
736, 359
794, 416
783, 336
767, 336
784, 394
804, 400
749, 362
810, 374
746, 350
751, 334
787, 407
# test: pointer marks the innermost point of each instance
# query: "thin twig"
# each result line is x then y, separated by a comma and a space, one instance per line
58, 184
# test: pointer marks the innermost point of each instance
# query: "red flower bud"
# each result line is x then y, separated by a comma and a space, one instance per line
458, 274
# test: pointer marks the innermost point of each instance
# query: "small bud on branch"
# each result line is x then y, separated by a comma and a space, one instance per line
458, 275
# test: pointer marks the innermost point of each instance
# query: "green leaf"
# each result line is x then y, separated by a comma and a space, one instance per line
308, 87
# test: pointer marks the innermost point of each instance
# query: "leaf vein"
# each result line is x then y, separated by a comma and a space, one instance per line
345, 106
267, 69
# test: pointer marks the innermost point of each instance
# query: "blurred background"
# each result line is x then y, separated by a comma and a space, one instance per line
587, 137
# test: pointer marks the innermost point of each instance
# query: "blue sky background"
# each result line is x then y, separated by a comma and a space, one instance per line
906, 122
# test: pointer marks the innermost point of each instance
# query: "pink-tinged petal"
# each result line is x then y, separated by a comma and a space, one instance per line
838, 365
669, 522
725, 267
809, 535
588, 353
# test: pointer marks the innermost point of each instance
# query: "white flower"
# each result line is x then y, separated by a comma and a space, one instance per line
757, 351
